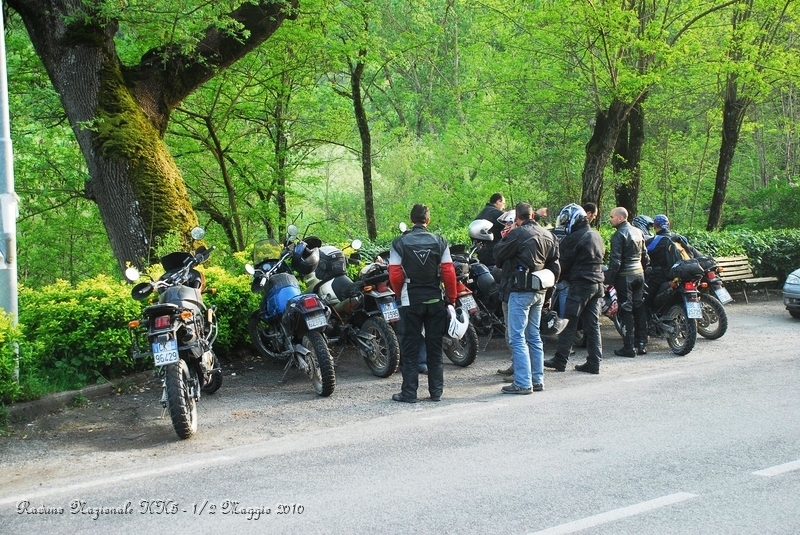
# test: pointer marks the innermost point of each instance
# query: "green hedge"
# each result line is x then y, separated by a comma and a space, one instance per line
9, 336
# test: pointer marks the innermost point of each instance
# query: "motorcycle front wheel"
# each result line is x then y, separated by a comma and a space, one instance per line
320, 363
386, 348
681, 341
180, 401
214, 380
462, 352
715, 320
259, 334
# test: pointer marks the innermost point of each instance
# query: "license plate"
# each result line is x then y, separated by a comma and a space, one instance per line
723, 296
315, 320
165, 352
390, 312
694, 310
468, 302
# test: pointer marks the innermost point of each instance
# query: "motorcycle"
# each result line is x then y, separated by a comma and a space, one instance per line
289, 325
178, 332
362, 311
464, 350
713, 296
675, 310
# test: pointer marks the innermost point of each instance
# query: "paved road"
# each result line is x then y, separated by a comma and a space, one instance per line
707, 443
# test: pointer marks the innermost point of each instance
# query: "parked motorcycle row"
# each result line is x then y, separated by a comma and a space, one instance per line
336, 312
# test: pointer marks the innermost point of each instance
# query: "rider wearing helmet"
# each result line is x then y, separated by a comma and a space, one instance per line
645, 224
491, 212
582, 252
664, 248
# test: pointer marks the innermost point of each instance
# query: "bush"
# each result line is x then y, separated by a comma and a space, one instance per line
234, 302
10, 335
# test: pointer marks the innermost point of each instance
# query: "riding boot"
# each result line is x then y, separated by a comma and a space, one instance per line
626, 319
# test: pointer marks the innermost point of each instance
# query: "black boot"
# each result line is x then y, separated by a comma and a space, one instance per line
626, 318
558, 363
589, 367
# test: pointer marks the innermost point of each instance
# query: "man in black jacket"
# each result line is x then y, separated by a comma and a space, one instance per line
626, 273
526, 249
493, 209
581, 257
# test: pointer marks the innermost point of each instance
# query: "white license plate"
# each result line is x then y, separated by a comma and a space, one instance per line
390, 312
468, 302
315, 320
723, 296
165, 353
694, 310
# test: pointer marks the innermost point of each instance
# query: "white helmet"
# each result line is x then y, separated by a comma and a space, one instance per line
481, 229
459, 322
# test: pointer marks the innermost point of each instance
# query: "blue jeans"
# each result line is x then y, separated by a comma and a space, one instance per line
527, 351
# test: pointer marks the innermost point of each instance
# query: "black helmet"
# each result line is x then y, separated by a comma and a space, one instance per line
305, 258
551, 324
643, 223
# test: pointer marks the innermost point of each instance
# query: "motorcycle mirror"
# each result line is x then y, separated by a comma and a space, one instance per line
141, 291
132, 274
292, 232
250, 269
198, 233
356, 244
403, 227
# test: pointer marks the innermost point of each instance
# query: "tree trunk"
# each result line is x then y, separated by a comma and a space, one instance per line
120, 114
599, 149
732, 116
627, 160
356, 74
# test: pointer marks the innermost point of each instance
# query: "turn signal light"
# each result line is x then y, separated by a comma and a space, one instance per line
186, 314
134, 324
367, 288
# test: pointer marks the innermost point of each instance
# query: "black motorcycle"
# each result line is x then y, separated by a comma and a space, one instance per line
676, 309
289, 325
178, 332
362, 311
713, 296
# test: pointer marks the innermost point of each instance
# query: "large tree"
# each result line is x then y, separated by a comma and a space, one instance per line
119, 110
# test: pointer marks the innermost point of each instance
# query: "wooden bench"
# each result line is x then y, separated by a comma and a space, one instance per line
737, 269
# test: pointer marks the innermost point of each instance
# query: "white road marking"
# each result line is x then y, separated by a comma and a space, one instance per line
650, 377
616, 514
779, 469
109, 480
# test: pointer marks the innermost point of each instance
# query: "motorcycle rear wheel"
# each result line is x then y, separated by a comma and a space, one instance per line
714, 323
320, 363
462, 352
180, 401
682, 341
386, 347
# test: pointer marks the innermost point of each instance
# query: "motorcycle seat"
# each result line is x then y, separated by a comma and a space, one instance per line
161, 308
342, 286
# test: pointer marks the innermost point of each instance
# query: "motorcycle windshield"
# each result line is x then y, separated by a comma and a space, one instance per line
264, 250
174, 261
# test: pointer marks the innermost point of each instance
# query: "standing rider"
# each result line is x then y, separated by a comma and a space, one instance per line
626, 273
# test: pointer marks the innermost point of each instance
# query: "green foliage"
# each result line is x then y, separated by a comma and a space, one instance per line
234, 302
10, 337
78, 335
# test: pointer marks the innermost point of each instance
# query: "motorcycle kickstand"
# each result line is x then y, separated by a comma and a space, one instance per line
285, 371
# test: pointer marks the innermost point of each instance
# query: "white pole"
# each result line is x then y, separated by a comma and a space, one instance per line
9, 209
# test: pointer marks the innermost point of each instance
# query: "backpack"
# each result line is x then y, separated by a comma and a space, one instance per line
677, 256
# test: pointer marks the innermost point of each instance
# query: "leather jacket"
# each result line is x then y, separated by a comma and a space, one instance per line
628, 252
530, 246
582, 252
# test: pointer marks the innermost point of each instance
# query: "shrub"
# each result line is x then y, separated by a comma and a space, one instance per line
10, 336
234, 302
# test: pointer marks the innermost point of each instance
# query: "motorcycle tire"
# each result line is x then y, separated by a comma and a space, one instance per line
618, 325
320, 363
463, 352
259, 334
387, 349
214, 380
714, 323
180, 401
682, 341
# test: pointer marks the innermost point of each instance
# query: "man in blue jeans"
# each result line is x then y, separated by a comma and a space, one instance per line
526, 249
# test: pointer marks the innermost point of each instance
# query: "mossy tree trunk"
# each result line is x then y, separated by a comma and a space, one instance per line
119, 113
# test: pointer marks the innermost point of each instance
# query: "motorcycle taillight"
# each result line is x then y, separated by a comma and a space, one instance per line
310, 301
162, 322
689, 286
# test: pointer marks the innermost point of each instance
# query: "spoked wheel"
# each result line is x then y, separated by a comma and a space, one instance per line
180, 399
214, 380
462, 352
386, 349
681, 341
715, 320
320, 363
